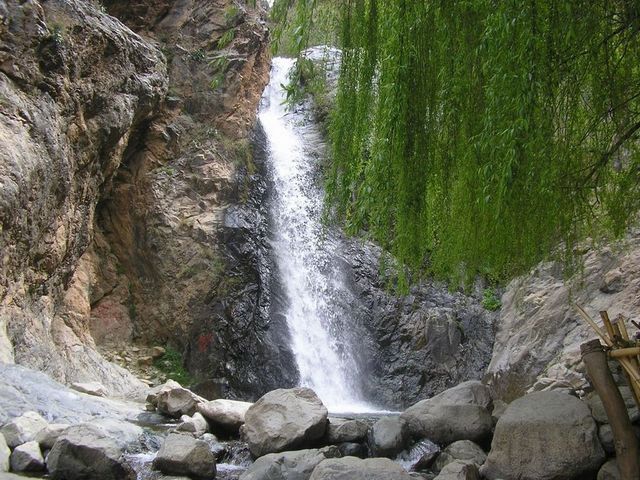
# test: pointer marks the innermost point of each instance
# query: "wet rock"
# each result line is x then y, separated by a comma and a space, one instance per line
443, 335
196, 424
27, 458
462, 451
48, 436
420, 456
284, 419
351, 449
351, 468
23, 429
458, 470
341, 430
177, 401
609, 471
544, 435
5, 453
86, 451
184, 455
297, 465
90, 388
471, 392
388, 437
226, 414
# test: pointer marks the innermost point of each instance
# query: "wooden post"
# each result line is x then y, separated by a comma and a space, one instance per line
626, 443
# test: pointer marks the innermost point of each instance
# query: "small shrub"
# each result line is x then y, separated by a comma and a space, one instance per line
171, 365
198, 55
226, 38
490, 300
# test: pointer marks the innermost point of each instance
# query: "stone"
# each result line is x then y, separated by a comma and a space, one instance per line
48, 436
388, 437
597, 408
23, 429
420, 456
5, 453
351, 449
86, 451
196, 424
544, 435
445, 424
177, 401
152, 395
90, 388
284, 419
158, 352
461, 451
471, 392
184, 455
27, 458
341, 430
443, 335
352, 468
225, 414
609, 471
296, 465
146, 361
458, 470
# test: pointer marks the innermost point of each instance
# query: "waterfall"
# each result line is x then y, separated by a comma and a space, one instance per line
308, 255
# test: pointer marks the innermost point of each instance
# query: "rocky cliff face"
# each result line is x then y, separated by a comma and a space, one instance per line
121, 153
539, 332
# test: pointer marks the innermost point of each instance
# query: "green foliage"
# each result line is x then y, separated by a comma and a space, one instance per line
490, 300
480, 137
226, 38
172, 366
198, 55
56, 34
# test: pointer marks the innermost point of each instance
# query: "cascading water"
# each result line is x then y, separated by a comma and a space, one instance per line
307, 255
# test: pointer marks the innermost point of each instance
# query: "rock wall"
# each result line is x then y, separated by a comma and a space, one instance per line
539, 332
121, 153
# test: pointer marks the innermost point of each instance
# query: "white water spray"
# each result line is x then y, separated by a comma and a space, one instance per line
306, 255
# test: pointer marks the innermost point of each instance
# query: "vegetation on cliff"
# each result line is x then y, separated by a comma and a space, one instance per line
477, 136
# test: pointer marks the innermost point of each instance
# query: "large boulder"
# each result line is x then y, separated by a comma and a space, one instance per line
197, 424
543, 436
609, 471
388, 437
86, 452
27, 458
460, 413
23, 429
341, 430
352, 468
184, 455
284, 419
462, 451
177, 401
297, 465
5, 453
225, 414
459, 470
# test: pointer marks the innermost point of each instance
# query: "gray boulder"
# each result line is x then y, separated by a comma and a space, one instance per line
341, 430
597, 408
177, 401
184, 455
462, 451
48, 436
196, 424
388, 437
352, 449
352, 468
296, 465
544, 435
443, 335
284, 419
27, 458
459, 413
90, 388
23, 429
225, 414
609, 471
458, 470
86, 452
5, 453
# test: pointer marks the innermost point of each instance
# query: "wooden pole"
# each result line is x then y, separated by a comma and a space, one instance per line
626, 443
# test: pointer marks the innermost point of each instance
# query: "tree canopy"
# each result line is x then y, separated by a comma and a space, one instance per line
482, 136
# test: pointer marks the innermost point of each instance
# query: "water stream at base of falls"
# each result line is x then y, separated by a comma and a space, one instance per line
307, 254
